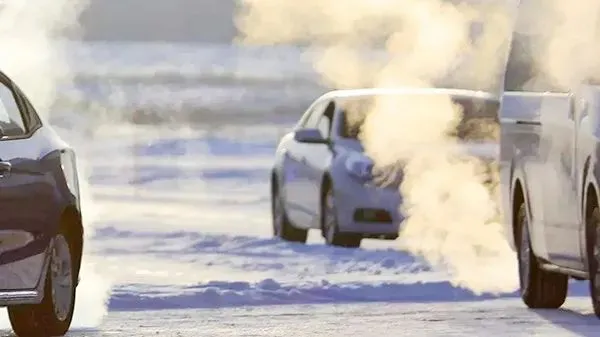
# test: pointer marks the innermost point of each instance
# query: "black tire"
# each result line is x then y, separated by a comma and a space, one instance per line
282, 227
540, 289
329, 223
592, 229
42, 320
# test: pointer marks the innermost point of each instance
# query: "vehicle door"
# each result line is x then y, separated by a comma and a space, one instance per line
560, 198
316, 160
294, 171
28, 203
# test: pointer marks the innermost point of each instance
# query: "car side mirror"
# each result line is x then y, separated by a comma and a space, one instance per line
309, 136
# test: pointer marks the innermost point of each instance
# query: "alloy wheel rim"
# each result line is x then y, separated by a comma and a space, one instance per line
61, 278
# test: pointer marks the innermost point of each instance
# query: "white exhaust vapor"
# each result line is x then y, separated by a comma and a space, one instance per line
453, 218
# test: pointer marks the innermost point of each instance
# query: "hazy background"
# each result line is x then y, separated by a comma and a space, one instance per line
173, 62
172, 20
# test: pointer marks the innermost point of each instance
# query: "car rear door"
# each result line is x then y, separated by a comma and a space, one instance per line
28, 212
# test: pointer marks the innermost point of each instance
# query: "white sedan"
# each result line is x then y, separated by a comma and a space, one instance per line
322, 179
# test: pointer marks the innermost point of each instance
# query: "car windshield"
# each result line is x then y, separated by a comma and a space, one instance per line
479, 122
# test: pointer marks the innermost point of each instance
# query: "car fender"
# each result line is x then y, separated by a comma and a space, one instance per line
519, 175
281, 154
336, 167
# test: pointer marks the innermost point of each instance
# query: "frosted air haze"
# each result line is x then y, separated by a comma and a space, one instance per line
452, 217
32, 54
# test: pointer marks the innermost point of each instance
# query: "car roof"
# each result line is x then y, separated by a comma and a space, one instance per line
365, 92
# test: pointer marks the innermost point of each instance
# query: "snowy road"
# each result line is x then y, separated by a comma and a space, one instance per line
505, 317
182, 234
486, 318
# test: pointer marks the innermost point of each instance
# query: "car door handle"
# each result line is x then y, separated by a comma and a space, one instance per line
581, 106
5, 168
571, 114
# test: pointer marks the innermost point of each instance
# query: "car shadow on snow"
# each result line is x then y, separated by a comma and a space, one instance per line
581, 323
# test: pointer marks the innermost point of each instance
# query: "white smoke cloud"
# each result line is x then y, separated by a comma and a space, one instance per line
453, 219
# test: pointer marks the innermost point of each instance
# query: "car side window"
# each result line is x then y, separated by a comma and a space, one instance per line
315, 116
11, 119
303, 122
324, 126
325, 120
31, 117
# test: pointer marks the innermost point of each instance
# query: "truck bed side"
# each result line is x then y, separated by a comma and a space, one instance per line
519, 138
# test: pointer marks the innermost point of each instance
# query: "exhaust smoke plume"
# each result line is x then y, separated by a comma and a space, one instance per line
559, 43
453, 219
33, 54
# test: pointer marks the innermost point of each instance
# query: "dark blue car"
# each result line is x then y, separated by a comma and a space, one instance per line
41, 233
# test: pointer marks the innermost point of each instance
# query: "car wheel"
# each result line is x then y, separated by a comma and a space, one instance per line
539, 288
282, 227
593, 252
51, 317
330, 227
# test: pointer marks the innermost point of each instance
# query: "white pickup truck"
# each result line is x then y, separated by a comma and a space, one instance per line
549, 175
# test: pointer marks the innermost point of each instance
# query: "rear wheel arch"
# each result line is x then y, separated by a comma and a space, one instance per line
71, 222
591, 223
585, 185
326, 183
591, 198
518, 198
274, 181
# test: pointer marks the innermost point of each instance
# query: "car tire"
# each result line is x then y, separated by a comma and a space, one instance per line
51, 317
593, 257
282, 227
540, 289
330, 226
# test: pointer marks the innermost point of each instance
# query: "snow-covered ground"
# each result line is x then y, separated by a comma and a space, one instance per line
505, 317
182, 234
184, 223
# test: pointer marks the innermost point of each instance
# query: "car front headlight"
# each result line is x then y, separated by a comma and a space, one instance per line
360, 166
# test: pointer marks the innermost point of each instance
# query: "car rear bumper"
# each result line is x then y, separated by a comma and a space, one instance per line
22, 282
23, 262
